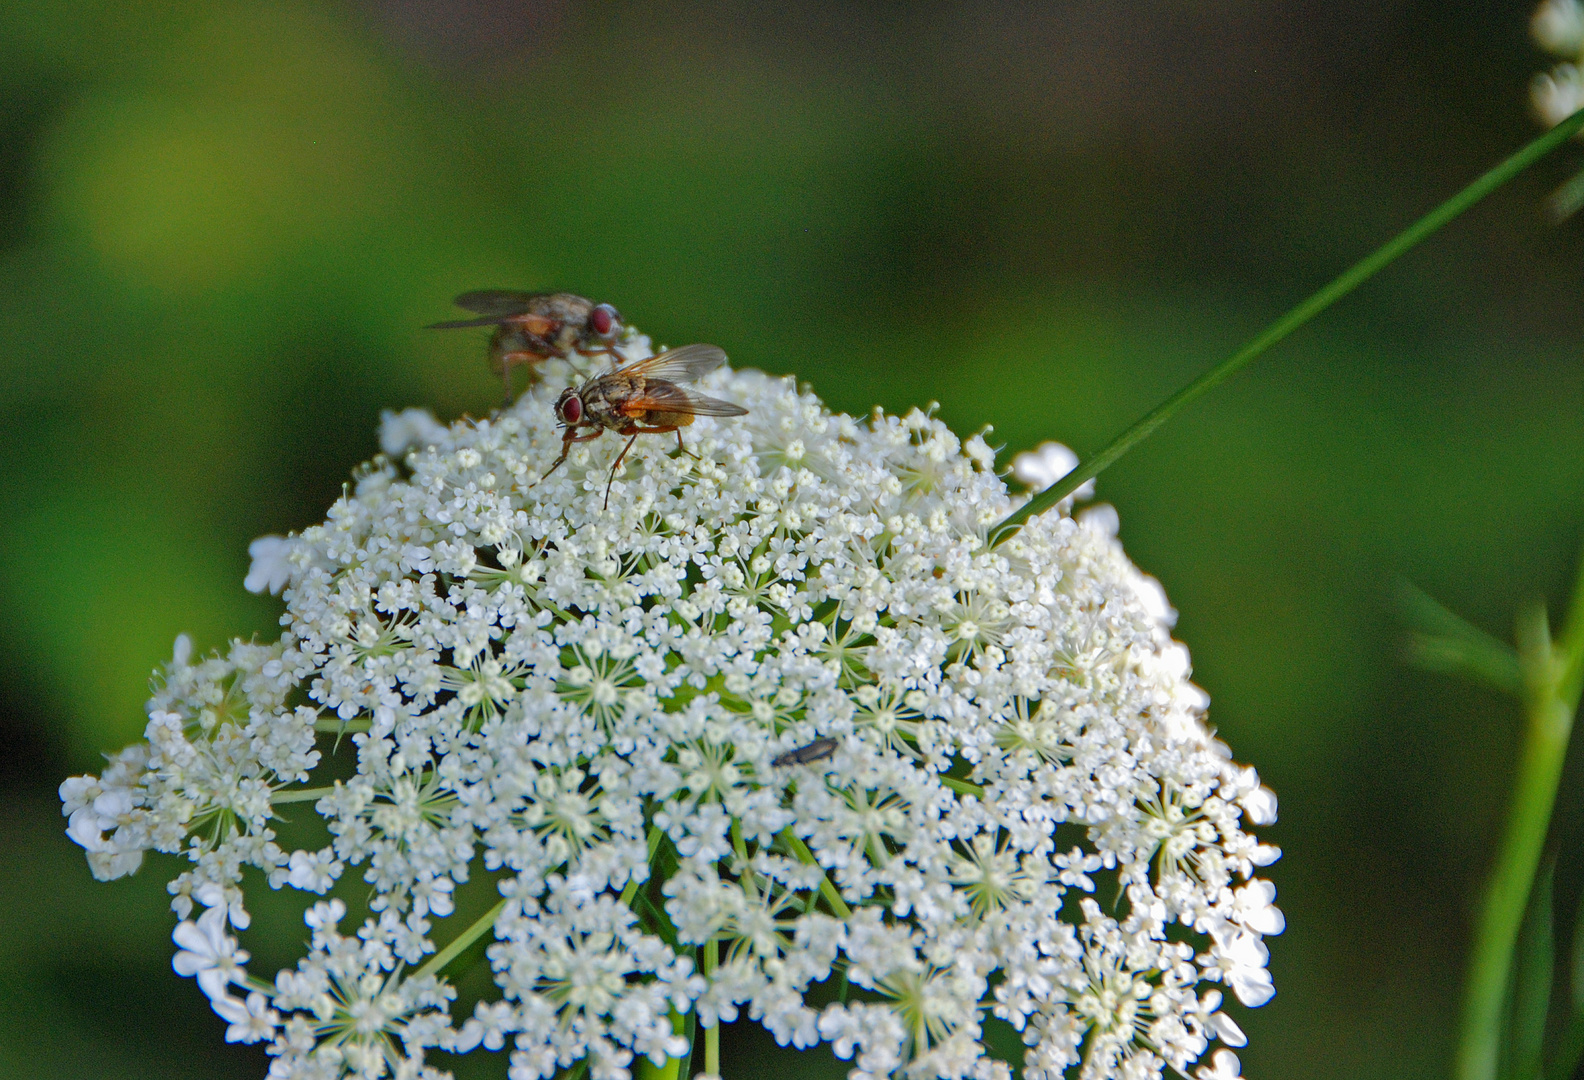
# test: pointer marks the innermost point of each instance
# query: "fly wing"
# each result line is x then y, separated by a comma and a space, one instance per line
457, 324
687, 364
496, 302
668, 397
494, 306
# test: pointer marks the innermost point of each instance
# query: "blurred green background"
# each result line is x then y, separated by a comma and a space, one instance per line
222, 224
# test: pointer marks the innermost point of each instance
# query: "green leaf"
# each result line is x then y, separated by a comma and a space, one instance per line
1531, 988
1563, 1061
1445, 641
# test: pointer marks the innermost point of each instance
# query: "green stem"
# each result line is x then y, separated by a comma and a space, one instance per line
1570, 1047
833, 897
963, 787
633, 883
311, 794
712, 1033
463, 940
1551, 696
1349, 280
337, 727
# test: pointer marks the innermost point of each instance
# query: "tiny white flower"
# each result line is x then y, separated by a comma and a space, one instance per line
314, 871
251, 1020
325, 915
1047, 463
1260, 805
1227, 1031
208, 952
1224, 1065
211, 895
1103, 519
1153, 596
1254, 906
1241, 957
107, 812
271, 568
410, 429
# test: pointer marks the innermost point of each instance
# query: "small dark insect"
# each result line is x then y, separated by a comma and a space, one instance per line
530, 327
818, 750
642, 398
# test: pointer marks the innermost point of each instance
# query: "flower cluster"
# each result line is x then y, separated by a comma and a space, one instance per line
1007, 801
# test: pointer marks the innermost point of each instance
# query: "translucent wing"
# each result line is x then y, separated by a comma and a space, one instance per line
686, 364
496, 302
662, 396
493, 306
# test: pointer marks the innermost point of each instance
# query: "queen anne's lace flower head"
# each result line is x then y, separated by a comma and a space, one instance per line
1020, 811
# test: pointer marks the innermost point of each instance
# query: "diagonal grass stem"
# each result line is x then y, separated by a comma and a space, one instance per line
1349, 280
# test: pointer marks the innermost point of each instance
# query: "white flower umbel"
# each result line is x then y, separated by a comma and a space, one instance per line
1005, 801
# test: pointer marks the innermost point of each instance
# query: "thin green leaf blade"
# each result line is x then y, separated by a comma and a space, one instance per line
1445, 641
1339, 287
1531, 990
1563, 1061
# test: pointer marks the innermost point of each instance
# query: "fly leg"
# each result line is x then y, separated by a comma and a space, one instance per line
605, 350
524, 360
566, 448
635, 430
611, 479
680, 447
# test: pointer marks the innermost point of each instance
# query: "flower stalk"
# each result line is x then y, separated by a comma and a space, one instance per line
439, 960
313, 794
712, 1062
832, 896
1553, 674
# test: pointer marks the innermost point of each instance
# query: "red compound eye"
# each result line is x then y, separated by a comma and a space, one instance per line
571, 410
602, 319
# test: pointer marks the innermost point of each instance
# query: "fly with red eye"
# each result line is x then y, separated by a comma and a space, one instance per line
569, 409
642, 398
530, 327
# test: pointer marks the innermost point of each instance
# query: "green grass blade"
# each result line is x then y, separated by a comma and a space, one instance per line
1445, 641
1563, 1061
1349, 280
1531, 989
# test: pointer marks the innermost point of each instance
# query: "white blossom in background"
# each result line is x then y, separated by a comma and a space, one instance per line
1025, 814
410, 429
1558, 28
1047, 463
